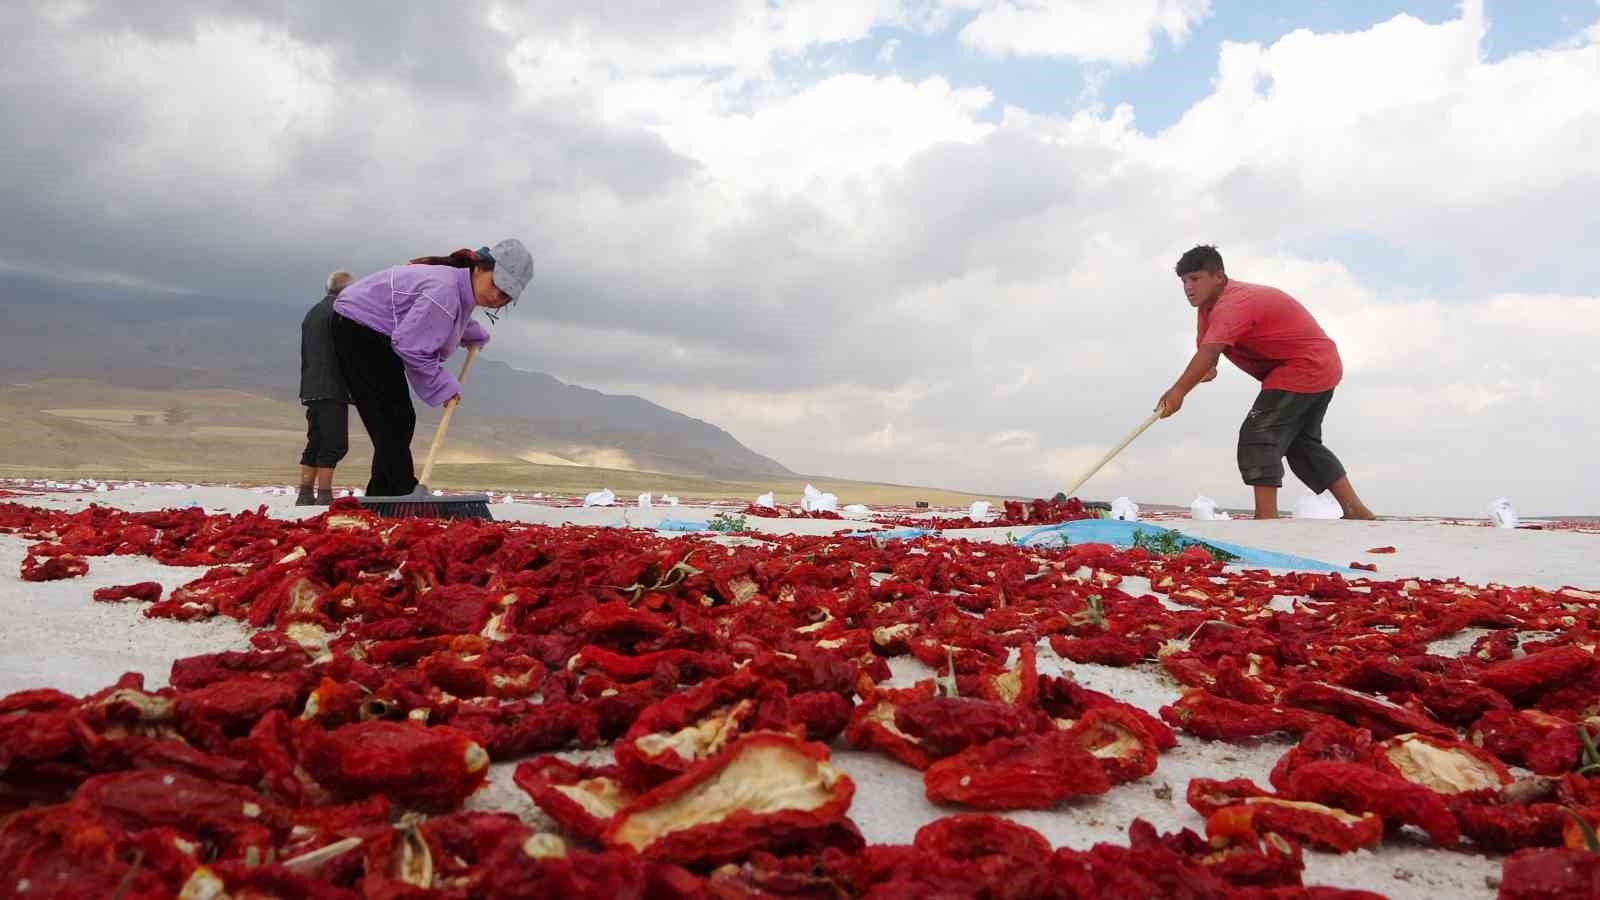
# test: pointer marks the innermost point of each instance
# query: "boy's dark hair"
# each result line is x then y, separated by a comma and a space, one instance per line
1203, 258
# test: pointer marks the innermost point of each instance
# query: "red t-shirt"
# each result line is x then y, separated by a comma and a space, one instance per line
1271, 336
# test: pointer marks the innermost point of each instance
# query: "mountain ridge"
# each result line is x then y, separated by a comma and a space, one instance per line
130, 338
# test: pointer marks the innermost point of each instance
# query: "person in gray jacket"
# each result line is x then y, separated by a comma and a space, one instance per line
326, 399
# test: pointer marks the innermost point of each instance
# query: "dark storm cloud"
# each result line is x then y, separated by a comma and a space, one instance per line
478, 164
608, 209
435, 46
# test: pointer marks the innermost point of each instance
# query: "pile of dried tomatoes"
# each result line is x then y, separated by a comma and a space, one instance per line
393, 662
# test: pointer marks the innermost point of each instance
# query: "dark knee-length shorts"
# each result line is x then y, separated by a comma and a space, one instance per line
1286, 425
327, 433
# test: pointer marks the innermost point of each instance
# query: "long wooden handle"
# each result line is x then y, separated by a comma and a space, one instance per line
1114, 451
444, 420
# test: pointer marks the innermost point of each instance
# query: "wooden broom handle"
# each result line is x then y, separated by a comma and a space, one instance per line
1114, 451
444, 420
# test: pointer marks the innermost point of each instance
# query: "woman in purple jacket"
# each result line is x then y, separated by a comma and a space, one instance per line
400, 325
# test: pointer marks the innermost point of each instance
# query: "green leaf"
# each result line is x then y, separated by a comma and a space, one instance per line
946, 683
1590, 761
1590, 839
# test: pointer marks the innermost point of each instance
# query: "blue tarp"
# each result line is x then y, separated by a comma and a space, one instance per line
1089, 531
897, 534
681, 525
1120, 534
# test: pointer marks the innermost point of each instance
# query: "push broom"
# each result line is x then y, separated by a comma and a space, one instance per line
421, 503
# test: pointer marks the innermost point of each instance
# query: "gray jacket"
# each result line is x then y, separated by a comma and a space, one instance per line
319, 370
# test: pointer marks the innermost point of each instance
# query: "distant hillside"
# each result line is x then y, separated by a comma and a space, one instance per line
84, 343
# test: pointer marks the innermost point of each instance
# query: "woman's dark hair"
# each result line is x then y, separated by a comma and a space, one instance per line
1203, 258
465, 259
460, 259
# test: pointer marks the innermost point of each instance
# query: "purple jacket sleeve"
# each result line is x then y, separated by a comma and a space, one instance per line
420, 341
475, 334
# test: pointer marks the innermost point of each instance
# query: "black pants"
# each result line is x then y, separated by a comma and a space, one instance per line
377, 381
1286, 424
327, 433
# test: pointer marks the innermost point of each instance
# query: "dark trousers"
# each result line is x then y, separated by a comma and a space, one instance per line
1285, 424
327, 433
376, 379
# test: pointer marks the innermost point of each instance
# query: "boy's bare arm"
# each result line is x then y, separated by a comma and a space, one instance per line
1202, 367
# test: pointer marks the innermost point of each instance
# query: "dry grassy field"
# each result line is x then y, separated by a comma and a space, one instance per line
67, 429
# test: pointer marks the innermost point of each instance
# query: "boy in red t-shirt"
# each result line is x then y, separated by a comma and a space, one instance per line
1269, 335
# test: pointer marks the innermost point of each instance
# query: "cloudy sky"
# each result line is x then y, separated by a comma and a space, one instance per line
927, 241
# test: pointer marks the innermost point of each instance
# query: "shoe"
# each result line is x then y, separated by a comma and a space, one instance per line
324, 498
307, 497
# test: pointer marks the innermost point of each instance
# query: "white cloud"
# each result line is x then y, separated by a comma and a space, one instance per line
1113, 31
869, 276
829, 133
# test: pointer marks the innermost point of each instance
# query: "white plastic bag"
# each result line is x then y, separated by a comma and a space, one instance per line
1203, 509
855, 511
602, 497
1128, 511
669, 500
767, 501
814, 500
644, 501
979, 510
1501, 513
1317, 506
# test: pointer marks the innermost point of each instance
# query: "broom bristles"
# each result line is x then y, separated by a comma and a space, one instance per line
469, 507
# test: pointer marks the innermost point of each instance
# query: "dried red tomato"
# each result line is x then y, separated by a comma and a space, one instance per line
1525, 678
1310, 823
533, 870
823, 714
1444, 767
211, 715
1332, 740
1541, 742
1460, 702
1206, 715
672, 735
1119, 650
53, 568
1555, 874
334, 703
873, 725
1499, 825
231, 879
144, 592
1065, 699
943, 726
135, 751
1119, 740
1241, 864
72, 853
428, 768
239, 822
1363, 711
784, 795
1359, 789
975, 835
581, 799
1031, 772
